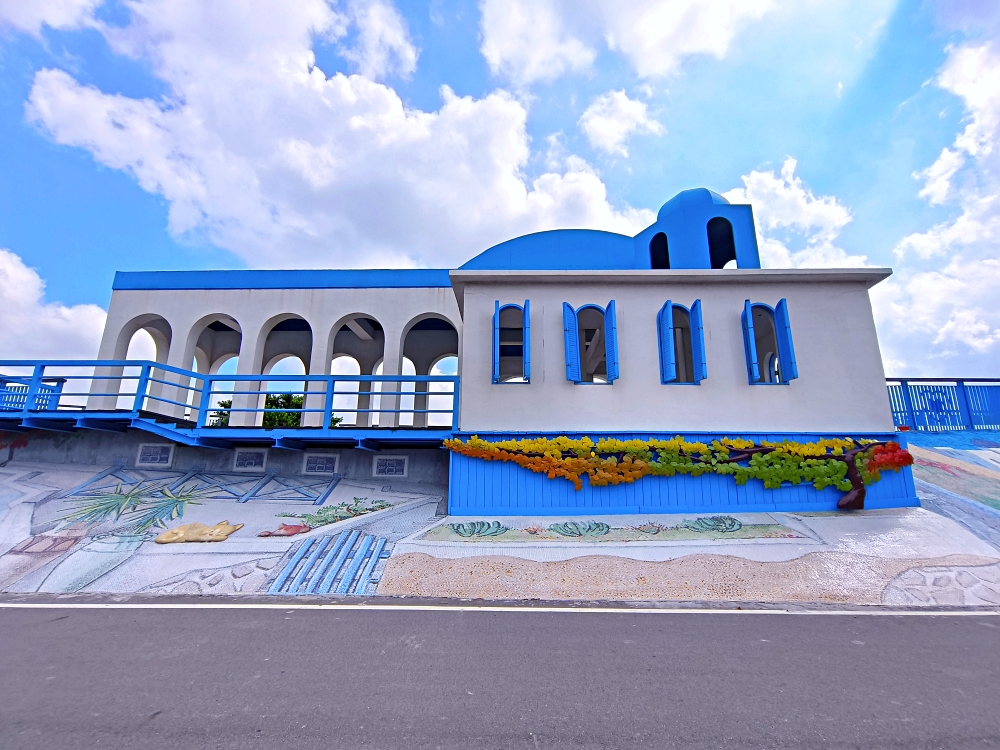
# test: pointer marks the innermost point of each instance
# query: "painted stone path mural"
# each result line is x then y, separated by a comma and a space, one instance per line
70, 529
79, 529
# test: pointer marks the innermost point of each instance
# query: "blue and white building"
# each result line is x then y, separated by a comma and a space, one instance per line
676, 330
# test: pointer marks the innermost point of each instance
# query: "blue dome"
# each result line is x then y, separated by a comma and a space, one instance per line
687, 200
683, 225
559, 250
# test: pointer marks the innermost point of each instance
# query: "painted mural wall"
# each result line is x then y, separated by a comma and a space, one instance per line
78, 515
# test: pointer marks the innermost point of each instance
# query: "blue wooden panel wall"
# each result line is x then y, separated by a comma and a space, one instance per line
500, 488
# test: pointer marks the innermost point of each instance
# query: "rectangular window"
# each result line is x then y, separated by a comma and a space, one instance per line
681, 339
250, 459
155, 455
320, 463
511, 343
590, 336
767, 341
389, 466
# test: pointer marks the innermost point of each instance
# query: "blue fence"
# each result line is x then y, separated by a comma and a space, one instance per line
936, 405
14, 394
89, 389
30, 390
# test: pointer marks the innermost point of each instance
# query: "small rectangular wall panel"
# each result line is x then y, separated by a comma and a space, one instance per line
502, 488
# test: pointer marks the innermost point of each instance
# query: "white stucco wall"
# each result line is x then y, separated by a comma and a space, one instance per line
254, 310
841, 385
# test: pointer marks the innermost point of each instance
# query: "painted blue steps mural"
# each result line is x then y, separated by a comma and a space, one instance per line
344, 564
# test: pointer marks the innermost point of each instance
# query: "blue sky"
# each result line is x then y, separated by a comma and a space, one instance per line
145, 134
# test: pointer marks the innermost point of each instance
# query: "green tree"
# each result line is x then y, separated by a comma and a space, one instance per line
290, 418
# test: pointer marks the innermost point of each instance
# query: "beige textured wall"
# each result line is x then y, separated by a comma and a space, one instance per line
841, 384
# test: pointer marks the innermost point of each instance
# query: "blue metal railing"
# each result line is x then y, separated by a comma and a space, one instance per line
939, 404
134, 388
14, 393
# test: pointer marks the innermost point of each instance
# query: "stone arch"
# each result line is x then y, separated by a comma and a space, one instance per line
284, 334
280, 336
114, 388
155, 325
219, 336
211, 340
427, 339
359, 335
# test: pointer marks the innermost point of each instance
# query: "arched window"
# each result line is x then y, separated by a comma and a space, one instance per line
659, 252
591, 339
682, 344
512, 343
767, 339
721, 245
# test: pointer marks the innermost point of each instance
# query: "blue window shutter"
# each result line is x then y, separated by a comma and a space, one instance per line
665, 334
571, 336
698, 343
496, 342
786, 351
526, 340
750, 343
611, 342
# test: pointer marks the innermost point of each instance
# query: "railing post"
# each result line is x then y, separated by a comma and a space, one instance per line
963, 405
205, 402
328, 404
30, 400
140, 389
904, 389
454, 403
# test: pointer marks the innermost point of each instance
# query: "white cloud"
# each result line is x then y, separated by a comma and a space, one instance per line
938, 176
540, 40
950, 314
30, 16
384, 46
528, 40
612, 117
795, 228
263, 154
31, 328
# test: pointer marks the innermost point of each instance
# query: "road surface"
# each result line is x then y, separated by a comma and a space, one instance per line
289, 679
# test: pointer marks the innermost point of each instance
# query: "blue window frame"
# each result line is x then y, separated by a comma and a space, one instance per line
591, 339
681, 338
767, 341
512, 343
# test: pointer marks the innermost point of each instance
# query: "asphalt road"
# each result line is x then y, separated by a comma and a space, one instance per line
252, 678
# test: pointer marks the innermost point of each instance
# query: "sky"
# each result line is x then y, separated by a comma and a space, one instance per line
194, 134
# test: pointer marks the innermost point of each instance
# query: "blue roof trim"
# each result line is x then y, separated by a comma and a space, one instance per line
404, 278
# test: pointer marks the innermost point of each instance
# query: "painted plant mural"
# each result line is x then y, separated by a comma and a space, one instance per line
844, 463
